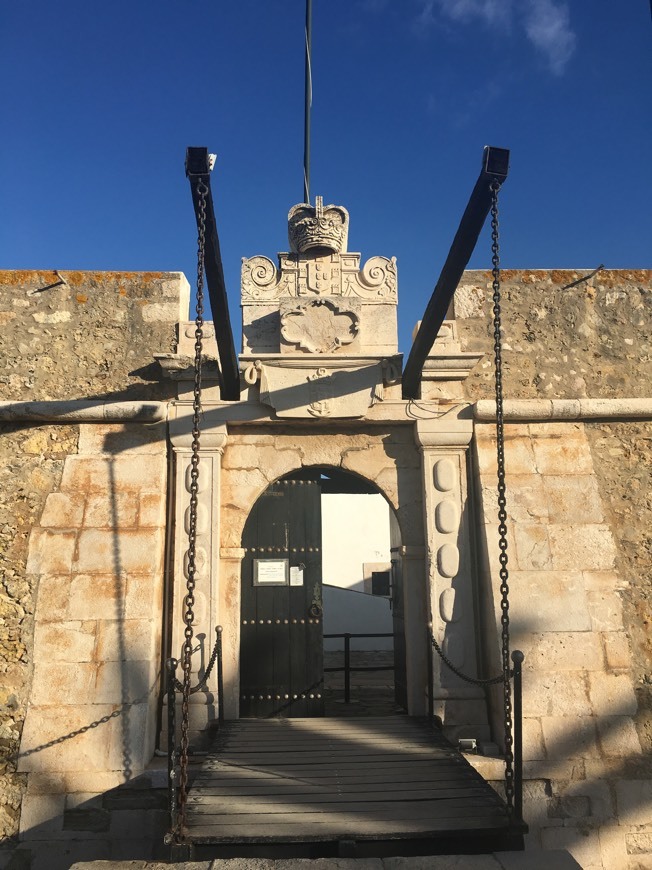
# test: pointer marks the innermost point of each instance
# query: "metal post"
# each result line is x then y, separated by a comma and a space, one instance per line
518, 658
347, 668
431, 677
220, 677
171, 666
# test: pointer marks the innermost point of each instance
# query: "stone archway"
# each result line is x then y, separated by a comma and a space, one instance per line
255, 456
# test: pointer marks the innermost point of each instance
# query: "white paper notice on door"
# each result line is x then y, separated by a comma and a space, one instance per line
296, 576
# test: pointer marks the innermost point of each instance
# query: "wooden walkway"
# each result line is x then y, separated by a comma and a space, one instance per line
333, 781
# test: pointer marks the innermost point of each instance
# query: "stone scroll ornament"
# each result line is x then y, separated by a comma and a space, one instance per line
319, 326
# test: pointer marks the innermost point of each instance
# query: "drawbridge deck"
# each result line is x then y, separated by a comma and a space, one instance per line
322, 787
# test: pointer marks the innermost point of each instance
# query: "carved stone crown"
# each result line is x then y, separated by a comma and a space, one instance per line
318, 227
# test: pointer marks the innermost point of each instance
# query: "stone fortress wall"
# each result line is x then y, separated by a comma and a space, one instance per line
86, 336
579, 496
580, 514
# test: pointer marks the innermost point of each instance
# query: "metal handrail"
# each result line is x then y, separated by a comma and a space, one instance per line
347, 660
515, 674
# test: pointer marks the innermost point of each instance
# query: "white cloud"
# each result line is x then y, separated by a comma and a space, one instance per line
548, 28
546, 22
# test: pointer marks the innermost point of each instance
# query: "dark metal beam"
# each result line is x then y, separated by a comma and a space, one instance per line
198, 170
495, 165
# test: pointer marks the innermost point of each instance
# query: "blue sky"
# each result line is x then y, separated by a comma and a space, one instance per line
100, 101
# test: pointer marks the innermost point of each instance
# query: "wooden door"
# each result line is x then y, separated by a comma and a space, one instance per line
398, 615
281, 631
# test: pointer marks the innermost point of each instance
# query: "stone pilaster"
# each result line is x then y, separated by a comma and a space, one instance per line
444, 443
204, 704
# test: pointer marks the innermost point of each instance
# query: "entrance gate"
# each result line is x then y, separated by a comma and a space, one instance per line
281, 633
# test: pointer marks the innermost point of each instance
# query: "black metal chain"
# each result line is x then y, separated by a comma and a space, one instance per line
477, 681
189, 615
211, 664
502, 503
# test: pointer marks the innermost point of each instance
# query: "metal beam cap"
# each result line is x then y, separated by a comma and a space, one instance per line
495, 162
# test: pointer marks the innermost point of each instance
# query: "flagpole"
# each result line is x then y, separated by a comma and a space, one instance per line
308, 104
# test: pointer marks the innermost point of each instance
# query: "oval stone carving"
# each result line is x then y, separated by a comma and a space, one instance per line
454, 649
447, 605
448, 560
202, 519
445, 475
202, 480
201, 560
446, 517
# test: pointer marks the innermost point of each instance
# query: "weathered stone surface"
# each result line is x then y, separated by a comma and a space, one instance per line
63, 683
122, 438
550, 694
63, 510
109, 475
95, 596
532, 547
111, 510
616, 650
581, 548
633, 801
64, 641
611, 694
570, 735
584, 848
41, 815
562, 651
527, 501
84, 752
573, 499
50, 552
548, 601
129, 639
556, 455
618, 736
132, 551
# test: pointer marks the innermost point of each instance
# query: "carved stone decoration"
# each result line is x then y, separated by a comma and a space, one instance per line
322, 275
445, 477
320, 388
318, 227
377, 278
297, 389
260, 278
319, 326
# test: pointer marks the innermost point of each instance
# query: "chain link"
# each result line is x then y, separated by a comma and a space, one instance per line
189, 615
202, 683
477, 681
502, 505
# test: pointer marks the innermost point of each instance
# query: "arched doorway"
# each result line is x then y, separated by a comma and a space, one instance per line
312, 568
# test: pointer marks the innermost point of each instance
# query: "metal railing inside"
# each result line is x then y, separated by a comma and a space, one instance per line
347, 668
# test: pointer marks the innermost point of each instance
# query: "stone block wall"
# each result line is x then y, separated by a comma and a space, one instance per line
98, 556
579, 553
68, 336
